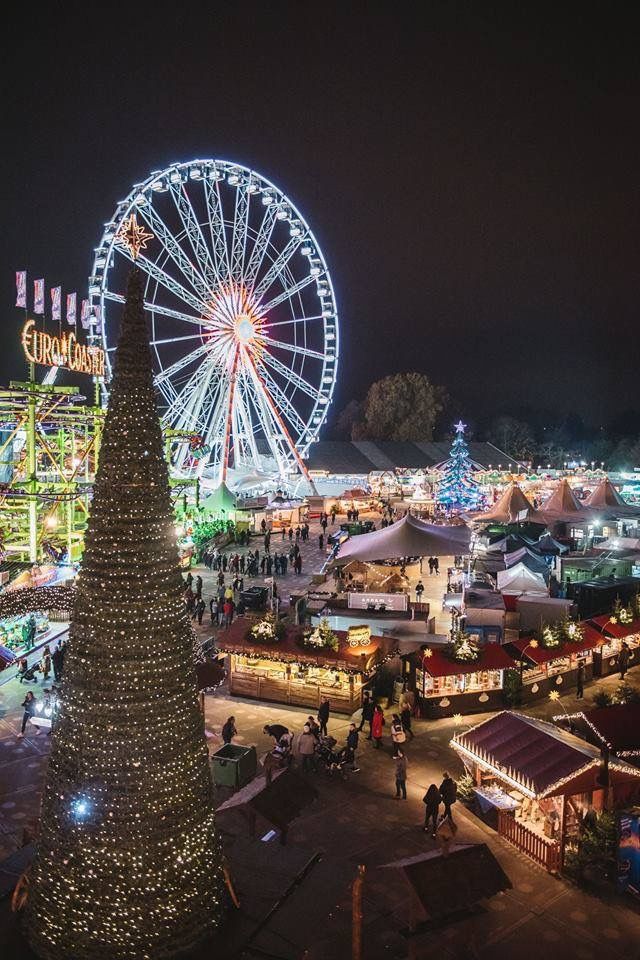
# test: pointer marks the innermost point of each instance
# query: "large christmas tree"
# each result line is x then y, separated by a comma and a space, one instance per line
458, 490
128, 863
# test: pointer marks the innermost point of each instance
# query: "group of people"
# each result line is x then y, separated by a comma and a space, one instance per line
434, 566
47, 662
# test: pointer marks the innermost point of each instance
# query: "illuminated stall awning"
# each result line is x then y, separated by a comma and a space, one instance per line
617, 630
492, 656
535, 757
541, 654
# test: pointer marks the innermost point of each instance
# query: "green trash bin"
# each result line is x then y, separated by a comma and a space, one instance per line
234, 766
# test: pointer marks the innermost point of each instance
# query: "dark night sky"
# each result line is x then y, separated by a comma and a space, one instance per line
471, 172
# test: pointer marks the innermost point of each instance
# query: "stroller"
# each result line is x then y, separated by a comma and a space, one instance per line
330, 758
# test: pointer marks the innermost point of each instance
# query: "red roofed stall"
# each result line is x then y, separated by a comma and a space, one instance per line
553, 668
537, 782
445, 686
613, 635
286, 672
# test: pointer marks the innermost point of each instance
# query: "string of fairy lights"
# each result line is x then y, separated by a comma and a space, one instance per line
128, 863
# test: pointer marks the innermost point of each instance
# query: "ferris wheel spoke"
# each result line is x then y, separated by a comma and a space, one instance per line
215, 215
192, 336
163, 278
193, 230
244, 417
287, 294
260, 245
288, 374
158, 308
292, 348
276, 269
175, 251
177, 407
284, 323
239, 236
180, 364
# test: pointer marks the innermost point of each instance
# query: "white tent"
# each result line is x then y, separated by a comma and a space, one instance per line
520, 579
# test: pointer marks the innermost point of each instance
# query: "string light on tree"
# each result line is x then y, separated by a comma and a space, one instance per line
458, 490
128, 865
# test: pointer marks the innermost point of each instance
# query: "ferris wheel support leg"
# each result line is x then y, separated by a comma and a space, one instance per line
227, 430
274, 410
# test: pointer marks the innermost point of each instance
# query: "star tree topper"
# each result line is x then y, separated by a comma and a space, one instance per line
132, 236
460, 426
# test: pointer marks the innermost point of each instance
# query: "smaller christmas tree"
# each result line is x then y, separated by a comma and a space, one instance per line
458, 490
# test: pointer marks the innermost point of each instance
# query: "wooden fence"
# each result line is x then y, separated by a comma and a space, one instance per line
544, 851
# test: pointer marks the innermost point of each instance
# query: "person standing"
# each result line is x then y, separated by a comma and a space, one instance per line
436, 566
320, 542
307, 748
45, 664
57, 660
376, 725
580, 680
398, 736
352, 746
229, 730
367, 712
400, 761
431, 802
189, 580
198, 587
419, 591
448, 795
297, 564
623, 659
405, 719
29, 707
323, 716
200, 608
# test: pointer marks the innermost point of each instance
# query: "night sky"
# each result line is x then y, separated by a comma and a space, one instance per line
471, 173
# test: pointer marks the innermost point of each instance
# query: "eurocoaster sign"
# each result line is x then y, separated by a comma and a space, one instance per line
61, 351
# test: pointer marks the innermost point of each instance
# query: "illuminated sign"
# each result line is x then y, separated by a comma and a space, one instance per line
62, 351
359, 636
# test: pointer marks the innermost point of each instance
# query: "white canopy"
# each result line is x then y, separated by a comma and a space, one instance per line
408, 537
520, 579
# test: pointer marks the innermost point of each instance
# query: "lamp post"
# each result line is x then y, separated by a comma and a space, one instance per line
533, 644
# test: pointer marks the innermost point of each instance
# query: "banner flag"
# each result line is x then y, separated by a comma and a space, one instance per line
21, 288
71, 308
84, 314
38, 296
56, 303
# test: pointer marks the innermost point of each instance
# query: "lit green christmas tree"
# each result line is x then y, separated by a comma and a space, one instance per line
458, 490
128, 864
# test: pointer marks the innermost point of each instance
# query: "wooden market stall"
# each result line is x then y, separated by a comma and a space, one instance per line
445, 686
553, 668
537, 782
286, 671
612, 636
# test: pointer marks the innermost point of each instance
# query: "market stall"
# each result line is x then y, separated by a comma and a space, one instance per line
554, 667
445, 686
613, 634
293, 668
541, 781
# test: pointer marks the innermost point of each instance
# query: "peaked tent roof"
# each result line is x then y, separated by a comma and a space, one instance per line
547, 544
512, 507
563, 504
606, 497
520, 579
220, 499
529, 559
408, 537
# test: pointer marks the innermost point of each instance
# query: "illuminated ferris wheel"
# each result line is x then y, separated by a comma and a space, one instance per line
244, 326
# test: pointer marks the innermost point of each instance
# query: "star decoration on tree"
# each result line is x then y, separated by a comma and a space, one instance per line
460, 426
132, 236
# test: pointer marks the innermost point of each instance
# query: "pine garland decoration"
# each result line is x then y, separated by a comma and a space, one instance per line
128, 864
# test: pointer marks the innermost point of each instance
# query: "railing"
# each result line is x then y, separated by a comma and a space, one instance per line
544, 851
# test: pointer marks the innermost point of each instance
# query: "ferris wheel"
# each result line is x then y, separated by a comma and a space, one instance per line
244, 325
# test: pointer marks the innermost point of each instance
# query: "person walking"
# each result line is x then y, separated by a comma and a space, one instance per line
430, 562
351, 748
405, 719
29, 707
398, 736
448, 795
297, 564
307, 748
436, 566
229, 730
367, 712
431, 802
200, 608
400, 761
623, 659
376, 725
198, 587
320, 542
188, 580
419, 591
580, 674
323, 716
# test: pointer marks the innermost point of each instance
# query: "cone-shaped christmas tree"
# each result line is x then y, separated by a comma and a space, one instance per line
128, 863
458, 490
